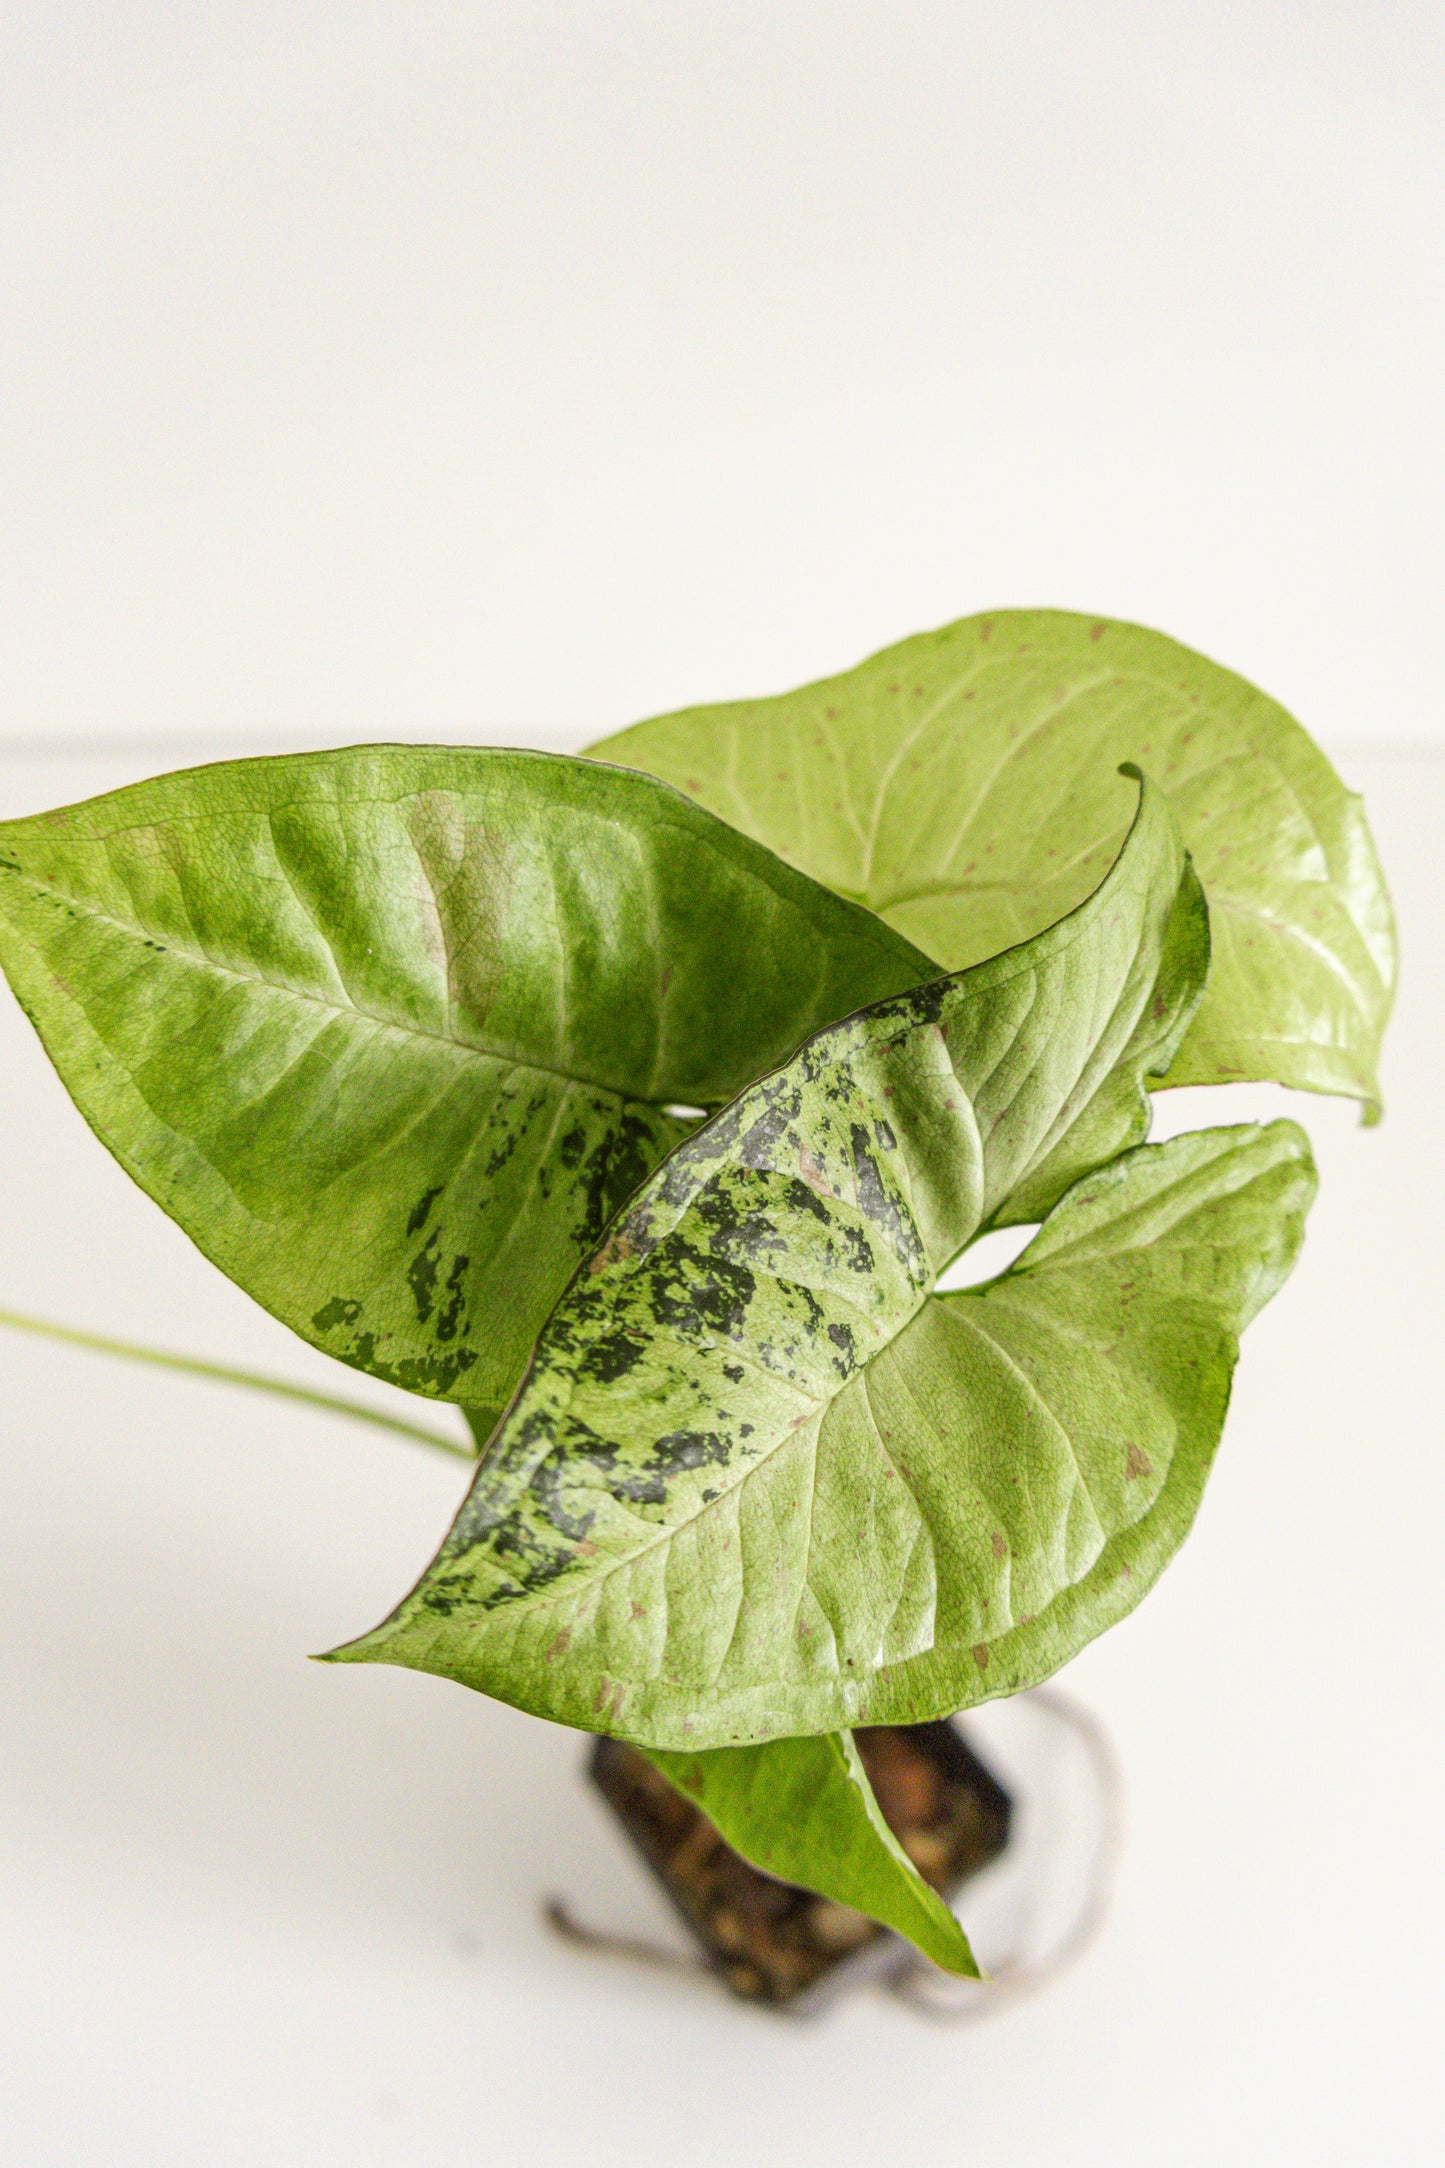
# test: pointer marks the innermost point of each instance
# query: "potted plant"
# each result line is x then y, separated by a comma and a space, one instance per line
636, 1104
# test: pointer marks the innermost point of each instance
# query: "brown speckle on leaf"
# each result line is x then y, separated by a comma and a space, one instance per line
814, 1176
1137, 1463
980, 1655
1000, 1546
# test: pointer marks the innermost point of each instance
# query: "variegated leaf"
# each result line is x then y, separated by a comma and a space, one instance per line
394, 1032
963, 784
760, 1481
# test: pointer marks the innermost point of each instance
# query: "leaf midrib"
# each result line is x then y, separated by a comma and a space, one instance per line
1071, 930
202, 962
595, 1577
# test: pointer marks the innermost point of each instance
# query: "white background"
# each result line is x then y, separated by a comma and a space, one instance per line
510, 372
445, 369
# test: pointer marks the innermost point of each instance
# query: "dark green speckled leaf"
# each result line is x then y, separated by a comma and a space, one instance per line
393, 1032
760, 1481
964, 785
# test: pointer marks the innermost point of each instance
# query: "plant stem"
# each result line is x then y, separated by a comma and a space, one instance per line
191, 1366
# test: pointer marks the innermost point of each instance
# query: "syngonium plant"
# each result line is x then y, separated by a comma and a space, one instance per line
636, 1103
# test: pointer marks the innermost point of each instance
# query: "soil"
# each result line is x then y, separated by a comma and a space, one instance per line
769, 1941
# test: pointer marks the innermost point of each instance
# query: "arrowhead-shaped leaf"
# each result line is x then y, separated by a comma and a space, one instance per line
760, 1482
803, 1809
963, 785
393, 1033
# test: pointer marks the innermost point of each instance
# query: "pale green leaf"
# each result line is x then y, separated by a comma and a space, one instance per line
964, 785
394, 1032
761, 1482
804, 1810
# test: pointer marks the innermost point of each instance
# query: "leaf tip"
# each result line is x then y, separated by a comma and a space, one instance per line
953, 1952
360, 1651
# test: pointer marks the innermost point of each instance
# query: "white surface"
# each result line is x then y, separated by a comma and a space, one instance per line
400, 367
253, 1909
509, 372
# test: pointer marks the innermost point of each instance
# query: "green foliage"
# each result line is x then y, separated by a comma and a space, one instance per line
963, 784
803, 1809
393, 1033
761, 1481
645, 1134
